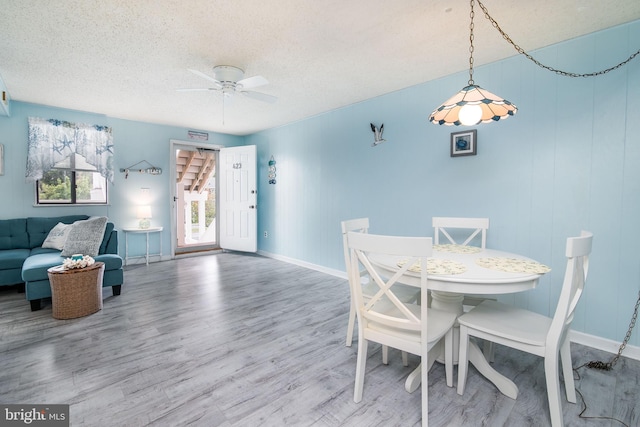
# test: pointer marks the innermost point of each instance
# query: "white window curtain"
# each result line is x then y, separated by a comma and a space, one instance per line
51, 141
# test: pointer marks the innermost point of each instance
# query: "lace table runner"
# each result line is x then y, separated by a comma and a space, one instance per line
457, 249
513, 265
437, 266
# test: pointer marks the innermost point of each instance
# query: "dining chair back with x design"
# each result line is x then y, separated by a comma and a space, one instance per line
405, 293
463, 232
385, 319
532, 332
445, 226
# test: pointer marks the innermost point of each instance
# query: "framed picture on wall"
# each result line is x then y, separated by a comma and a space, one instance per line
464, 143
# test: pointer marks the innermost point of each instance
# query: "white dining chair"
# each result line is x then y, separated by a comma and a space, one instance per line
532, 332
385, 319
405, 293
360, 225
464, 232
476, 228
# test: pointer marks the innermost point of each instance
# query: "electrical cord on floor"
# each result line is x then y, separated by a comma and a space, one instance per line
584, 403
607, 366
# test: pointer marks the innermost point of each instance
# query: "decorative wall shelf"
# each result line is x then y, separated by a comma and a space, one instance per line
150, 169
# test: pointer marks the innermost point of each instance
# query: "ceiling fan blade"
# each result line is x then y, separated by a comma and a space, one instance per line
251, 82
197, 89
218, 85
260, 96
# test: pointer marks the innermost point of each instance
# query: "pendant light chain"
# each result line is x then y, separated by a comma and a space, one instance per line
535, 61
472, 105
471, 14
597, 364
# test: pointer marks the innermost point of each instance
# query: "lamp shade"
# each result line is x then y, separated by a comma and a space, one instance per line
143, 212
470, 106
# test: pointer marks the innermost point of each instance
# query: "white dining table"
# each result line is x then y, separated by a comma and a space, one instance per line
457, 271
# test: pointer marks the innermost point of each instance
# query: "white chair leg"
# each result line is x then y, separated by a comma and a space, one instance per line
567, 370
351, 325
361, 363
463, 359
405, 359
448, 357
551, 374
417, 299
385, 355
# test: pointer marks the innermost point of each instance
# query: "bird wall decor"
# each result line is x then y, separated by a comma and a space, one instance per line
377, 134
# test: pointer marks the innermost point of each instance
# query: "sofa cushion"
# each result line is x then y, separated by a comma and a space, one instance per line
10, 277
57, 236
36, 251
13, 234
85, 237
107, 235
35, 267
39, 227
13, 258
111, 261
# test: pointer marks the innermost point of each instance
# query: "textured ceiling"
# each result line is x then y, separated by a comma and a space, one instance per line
126, 58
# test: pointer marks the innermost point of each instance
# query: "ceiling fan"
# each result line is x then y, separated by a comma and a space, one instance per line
230, 80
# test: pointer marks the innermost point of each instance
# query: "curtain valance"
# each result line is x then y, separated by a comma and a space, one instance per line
51, 141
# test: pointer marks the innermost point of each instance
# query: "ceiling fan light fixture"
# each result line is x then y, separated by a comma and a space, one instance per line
230, 80
228, 73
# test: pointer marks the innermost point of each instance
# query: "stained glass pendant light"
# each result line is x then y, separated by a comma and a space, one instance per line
473, 104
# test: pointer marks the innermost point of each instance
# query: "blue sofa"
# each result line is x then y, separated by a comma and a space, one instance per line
24, 260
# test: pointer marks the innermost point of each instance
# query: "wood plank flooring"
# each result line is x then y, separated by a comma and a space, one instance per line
241, 340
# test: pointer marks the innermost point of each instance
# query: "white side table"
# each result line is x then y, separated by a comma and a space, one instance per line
146, 231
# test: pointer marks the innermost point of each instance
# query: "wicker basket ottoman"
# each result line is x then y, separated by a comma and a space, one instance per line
76, 292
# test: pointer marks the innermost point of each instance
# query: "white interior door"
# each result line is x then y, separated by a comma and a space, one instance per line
238, 197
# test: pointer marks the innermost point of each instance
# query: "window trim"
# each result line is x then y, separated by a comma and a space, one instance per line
74, 197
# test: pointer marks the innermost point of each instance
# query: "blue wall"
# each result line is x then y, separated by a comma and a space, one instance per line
569, 160
133, 142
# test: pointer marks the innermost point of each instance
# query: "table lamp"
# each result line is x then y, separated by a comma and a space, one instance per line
144, 214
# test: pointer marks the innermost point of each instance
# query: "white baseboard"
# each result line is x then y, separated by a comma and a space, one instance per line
193, 254
140, 259
305, 264
604, 344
